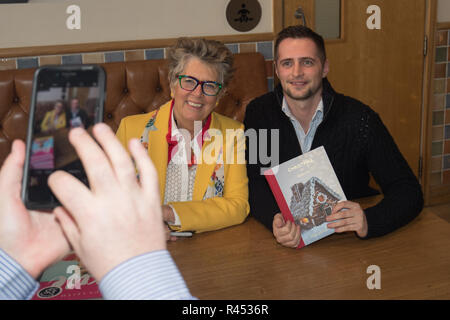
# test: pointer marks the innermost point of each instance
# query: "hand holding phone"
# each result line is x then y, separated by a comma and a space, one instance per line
33, 239
63, 97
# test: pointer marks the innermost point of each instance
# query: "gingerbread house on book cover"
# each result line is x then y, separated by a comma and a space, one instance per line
306, 189
312, 202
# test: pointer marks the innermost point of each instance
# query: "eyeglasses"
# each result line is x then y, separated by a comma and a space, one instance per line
209, 88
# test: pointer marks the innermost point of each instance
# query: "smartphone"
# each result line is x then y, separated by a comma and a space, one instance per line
63, 97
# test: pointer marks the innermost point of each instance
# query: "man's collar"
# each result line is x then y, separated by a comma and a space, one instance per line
287, 110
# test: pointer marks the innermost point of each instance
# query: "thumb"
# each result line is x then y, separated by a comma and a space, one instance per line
278, 220
12, 169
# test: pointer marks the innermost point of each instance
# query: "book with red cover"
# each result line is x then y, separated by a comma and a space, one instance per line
66, 280
306, 189
42, 153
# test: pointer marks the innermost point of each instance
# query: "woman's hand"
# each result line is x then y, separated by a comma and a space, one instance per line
168, 217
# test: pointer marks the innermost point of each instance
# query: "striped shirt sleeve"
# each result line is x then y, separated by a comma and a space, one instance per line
15, 282
153, 275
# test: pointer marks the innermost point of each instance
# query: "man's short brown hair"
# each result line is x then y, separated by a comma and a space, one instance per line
301, 32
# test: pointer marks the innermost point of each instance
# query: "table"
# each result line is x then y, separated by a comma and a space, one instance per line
245, 262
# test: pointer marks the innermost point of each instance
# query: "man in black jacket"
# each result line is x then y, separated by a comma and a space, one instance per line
308, 113
78, 117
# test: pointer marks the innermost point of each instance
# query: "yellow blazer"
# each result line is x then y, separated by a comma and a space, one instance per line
199, 215
49, 119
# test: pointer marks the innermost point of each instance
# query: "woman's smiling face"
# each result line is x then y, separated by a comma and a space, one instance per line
194, 105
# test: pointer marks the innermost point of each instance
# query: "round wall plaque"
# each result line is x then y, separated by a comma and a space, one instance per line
243, 15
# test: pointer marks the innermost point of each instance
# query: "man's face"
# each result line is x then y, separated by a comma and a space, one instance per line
74, 104
299, 68
58, 107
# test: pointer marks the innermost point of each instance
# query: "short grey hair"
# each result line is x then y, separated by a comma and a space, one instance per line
211, 52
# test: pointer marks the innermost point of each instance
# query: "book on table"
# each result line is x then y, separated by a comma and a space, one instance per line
67, 280
42, 153
306, 189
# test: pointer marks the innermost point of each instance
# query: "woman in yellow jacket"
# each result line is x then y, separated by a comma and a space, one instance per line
54, 119
199, 154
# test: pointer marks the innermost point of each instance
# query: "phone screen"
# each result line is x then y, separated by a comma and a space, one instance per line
63, 98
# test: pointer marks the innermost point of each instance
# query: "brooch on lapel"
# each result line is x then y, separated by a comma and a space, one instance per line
217, 180
150, 126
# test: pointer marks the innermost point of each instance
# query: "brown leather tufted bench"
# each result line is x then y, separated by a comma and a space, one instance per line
132, 87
